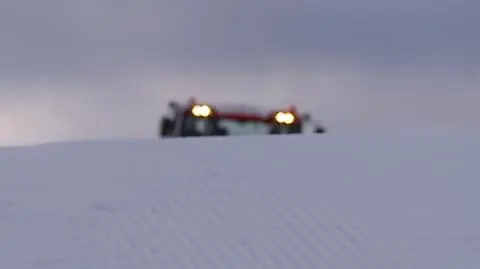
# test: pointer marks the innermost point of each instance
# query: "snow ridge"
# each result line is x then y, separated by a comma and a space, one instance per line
245, 202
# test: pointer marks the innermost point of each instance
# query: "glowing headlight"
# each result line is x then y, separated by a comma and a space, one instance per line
201, 111
282, 117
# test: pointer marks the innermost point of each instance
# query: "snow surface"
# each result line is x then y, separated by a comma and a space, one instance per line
404, 201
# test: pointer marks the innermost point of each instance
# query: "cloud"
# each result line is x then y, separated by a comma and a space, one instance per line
83, 37
106, 68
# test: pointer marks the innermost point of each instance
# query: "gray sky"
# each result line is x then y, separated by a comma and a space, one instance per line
105, 68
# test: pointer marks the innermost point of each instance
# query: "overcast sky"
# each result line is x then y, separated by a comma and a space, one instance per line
106, 68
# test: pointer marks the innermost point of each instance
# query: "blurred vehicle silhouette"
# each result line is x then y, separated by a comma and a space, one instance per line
194, 119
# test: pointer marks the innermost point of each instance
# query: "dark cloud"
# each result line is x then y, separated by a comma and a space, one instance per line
88, 36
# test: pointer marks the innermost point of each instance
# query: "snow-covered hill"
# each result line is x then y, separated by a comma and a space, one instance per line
407, 201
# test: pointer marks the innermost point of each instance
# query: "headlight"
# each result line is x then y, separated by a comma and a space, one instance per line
201, 111
284, 117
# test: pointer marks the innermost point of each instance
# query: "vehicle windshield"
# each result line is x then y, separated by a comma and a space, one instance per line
231, 126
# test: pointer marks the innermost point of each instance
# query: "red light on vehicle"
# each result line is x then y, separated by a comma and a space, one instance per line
292, 109
192, 100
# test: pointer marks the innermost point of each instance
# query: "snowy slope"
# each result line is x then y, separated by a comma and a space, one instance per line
405, 201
